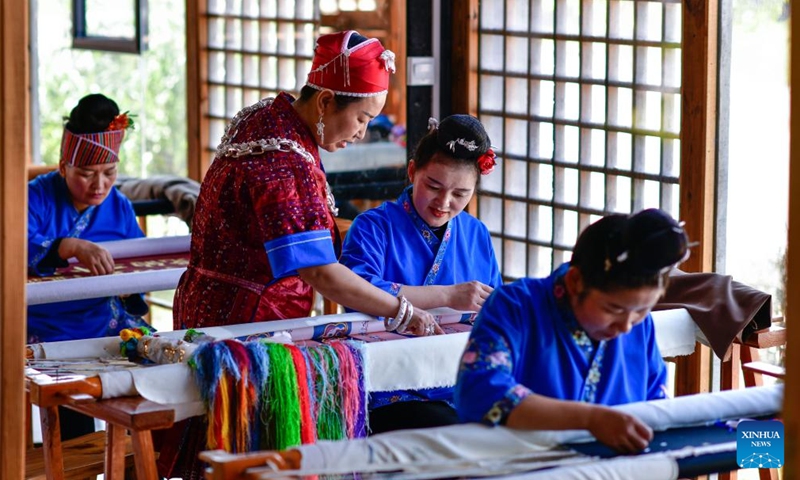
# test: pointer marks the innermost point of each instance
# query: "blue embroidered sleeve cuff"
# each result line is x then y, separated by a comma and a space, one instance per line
498, 414
299, 250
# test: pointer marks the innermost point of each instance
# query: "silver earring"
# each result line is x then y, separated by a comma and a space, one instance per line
321, 131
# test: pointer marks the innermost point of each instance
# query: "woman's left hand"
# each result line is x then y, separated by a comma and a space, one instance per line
423, 324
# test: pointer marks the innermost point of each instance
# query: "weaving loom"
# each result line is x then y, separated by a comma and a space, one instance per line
692, 438
141, 265
389, 365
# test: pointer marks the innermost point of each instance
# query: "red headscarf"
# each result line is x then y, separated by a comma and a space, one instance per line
361, 71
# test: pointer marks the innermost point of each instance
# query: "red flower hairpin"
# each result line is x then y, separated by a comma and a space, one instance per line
486, 162
120, 122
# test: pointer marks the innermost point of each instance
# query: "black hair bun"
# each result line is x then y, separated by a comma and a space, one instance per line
652, 241
463, 136
93, 114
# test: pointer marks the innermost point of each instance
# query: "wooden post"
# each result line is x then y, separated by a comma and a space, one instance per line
15, 150
791, 414
698, 162
464, 60
464, 65
196, 88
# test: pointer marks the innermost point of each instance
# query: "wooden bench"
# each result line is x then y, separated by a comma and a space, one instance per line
129, 422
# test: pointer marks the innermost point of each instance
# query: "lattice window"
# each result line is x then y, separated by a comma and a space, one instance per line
582, 99
256, 48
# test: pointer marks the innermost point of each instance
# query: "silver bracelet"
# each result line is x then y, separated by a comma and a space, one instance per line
391, 323
407, 319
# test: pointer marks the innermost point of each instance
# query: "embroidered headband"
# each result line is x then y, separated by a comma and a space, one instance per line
464, 137
84, 149
360, 71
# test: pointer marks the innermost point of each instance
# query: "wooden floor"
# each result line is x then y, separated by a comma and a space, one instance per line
83, 458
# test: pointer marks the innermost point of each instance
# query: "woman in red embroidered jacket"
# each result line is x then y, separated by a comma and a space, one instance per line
263, 234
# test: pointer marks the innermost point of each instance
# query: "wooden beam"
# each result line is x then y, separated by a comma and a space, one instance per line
15, 121
197, 88
791, 414
698, 162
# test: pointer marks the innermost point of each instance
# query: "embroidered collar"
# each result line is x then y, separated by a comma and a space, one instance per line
561, 295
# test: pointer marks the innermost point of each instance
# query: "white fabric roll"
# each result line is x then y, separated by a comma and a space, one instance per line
476, 442
688, 410
403, 449
103, 286
651, 467
145, 247
106, 347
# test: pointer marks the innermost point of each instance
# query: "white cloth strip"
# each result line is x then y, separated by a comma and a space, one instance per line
676, 332
103, 286
144, 247
425, 362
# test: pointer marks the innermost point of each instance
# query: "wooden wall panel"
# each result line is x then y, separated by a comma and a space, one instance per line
698, 161
14, 156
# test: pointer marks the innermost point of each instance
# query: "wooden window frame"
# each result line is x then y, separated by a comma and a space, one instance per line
110, 43
698, 139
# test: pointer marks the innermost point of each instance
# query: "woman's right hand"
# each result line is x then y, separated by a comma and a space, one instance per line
423, 324
468, 295
618, 430
92, 256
